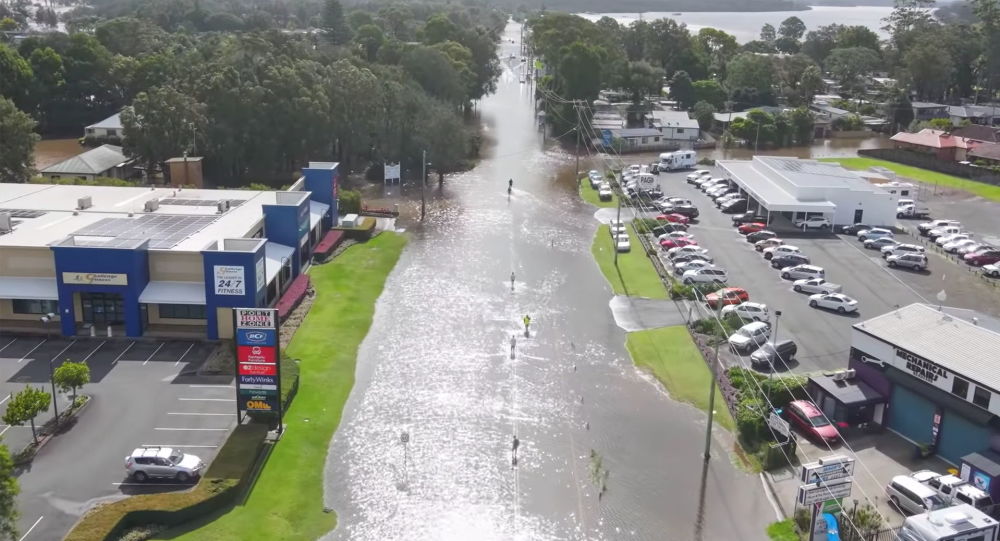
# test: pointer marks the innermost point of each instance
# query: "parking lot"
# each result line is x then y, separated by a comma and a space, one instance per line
141, 396
823, 337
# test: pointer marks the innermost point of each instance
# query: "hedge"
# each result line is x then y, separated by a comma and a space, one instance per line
220, 487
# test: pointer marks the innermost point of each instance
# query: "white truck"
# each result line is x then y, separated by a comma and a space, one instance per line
908, 208
958, 523
681, 159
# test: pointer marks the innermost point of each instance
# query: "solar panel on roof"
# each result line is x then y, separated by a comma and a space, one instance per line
23, 213
176, 201
161, 231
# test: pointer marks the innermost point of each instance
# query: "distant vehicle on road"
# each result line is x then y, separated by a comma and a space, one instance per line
681, 159
164, 463
833, 301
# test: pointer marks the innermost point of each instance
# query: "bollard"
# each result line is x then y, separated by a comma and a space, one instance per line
109, 331
93, 331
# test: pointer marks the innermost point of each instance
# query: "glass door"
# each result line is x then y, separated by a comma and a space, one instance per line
101, 309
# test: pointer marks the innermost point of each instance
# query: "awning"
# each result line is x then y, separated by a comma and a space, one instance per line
316, 213
850, 392
275, 254
18, 287
173, 293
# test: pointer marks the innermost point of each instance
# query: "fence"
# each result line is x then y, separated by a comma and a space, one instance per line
924, 161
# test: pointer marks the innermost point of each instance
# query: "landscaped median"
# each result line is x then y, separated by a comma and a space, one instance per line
634, 274
591, 196
987, 191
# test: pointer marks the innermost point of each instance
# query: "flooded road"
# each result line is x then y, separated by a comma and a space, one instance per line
424, 449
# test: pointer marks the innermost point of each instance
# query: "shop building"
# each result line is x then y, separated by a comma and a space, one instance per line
138, 261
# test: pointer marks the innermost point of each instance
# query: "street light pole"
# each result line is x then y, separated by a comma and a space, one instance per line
52, 376
615, 236
774, 340
423, 183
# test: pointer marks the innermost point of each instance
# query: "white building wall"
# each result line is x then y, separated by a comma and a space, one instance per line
877, 208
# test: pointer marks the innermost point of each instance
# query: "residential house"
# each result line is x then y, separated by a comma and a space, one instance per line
103, 161
986, 134
974, 114
608, 119
831, 112
721, 120
109, 130
985, 154
923, 110
942, 145
635, 140
675, 125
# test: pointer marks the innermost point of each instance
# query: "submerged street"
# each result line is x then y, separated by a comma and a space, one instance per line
424, 449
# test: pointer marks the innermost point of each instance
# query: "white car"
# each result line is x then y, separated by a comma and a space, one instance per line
701, 181
833, 301
881, 242
755, 311
816, 285
622, 243
934, 234
781, 249
711, 183
874, 233
972, 248
681, 268
762, 245
992, 270
900, 248
162, 462
802, 271
604, 192
814, 222
704, 276
945, 239
698, 174
954, 246
616, 227
720, 190
690, 249
750, 336
675, 235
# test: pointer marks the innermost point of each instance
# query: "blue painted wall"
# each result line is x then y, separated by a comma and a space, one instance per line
252, 297
322, 182
288, 225
133, 263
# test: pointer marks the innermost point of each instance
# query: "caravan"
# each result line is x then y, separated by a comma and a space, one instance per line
682, 159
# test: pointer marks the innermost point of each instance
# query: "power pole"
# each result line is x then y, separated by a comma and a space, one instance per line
423, 183
576, 107
711, 395
615, 237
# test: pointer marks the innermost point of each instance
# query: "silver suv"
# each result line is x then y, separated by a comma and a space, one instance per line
162, 462
915, 261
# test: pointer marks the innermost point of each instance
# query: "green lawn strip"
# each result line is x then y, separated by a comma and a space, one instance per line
287, 501
634, 275
782, 531
672, 356
591, 196
987, 191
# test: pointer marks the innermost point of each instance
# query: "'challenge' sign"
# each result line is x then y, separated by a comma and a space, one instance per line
921, 367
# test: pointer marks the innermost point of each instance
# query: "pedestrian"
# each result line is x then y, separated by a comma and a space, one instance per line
527, 324
513, 451
513, 344
512, 280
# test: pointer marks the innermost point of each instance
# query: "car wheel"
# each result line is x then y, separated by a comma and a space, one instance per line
841, 310
140, 477
183, 477
784, 275
798, 289
892, 263
814, 304
895, 503
768, 255
995, 274
688, 281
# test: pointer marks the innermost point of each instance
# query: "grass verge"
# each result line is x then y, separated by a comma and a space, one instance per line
782, 531
634, 275
591, 196
671, 355
987, 191
287, 501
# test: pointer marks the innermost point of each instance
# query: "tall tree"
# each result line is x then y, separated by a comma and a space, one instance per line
749, 70
820, 42
370, 38
682, 90
15, 75
930, 69
850, 66
768, 34
579, 71
334, 23
704, 112
440, 28
857, 36
709, 90
71, 376
642, 79
9, 489
161, 124
433, 70
906, 17
25, 406
792, 28
17, 152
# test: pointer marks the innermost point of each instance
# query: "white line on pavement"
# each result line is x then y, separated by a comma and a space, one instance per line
207, 399
57, 355
186, 351
31, 528
122, 354
192, 413
179, 445
887, 271
153, 353
6, 398
8, 343
85, 359
33, 350
197, 429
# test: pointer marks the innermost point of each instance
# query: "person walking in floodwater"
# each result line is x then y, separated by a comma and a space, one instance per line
527, 324
513, 451
512, 280
513, 344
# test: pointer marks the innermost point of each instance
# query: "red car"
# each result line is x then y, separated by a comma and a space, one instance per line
727, 295
753, 227
982, 257
673, 217
811, 422
667, 244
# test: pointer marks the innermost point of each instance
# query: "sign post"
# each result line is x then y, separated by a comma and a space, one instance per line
828, 479
258, 375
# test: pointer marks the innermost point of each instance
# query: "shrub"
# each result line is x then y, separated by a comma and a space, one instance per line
349, 202
644, 225
782, 531
706, 161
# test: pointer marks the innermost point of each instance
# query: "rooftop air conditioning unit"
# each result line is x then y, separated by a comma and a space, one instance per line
223, 206
840, 375
6, 225
84, 202
152, 205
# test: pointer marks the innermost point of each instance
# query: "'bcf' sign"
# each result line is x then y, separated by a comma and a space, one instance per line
230, 280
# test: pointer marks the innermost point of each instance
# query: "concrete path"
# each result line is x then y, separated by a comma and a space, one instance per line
636, 314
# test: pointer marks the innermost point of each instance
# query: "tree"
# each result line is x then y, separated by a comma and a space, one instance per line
792, 28
749, 70
439, 28
704, 112
9, 489
15, 75
787, 45
161, 124
17, 153
906, 17
820, 42
717, 47
579, 71
768, 34
433, 71
709, 90
899, 109
444, 136
334, 24
642, 79
849, 66
25, 406
802, 122
857, 36
810, 83
370, 38
930, 69
682, 90
71, 376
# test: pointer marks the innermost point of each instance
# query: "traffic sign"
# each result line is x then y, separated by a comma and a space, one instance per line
779, 425
813, 493
827, 469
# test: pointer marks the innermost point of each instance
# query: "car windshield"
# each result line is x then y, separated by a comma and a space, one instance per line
176, 458
934, 502
819, 421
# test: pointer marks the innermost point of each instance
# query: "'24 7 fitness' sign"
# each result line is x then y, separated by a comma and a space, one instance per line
258, 378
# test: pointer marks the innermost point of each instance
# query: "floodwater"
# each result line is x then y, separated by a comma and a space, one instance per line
52, 151
424, 449
745, 25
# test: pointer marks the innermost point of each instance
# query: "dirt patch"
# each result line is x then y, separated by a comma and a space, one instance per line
292, 322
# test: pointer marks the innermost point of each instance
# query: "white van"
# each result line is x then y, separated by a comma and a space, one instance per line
910, 496
959, 523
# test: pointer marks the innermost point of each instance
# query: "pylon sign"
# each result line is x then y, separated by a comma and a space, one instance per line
258, 379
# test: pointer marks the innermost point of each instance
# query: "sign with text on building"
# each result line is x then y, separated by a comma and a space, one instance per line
95, 278
230, 280
258, 381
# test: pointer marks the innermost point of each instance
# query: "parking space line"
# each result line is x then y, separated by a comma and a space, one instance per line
153, 353
122, 354
887, 271
57, 355
31, 528
179, 445
186, 351
177, 429
32, 350
95, 351
8, 344
197, 413
207, 399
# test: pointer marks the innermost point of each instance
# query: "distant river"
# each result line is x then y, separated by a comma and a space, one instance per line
746, 25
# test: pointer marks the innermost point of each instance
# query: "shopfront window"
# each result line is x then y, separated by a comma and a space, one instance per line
182, 311
981, 398
34, 306
960, 388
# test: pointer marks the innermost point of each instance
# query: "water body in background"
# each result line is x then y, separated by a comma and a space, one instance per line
52, 151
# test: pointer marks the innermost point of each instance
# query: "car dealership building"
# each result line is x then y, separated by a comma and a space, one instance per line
137, 261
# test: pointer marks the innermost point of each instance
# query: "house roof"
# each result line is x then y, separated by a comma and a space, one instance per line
829, 109
92, 162
636, 132
672, 119
972, 111
927, 105
988, 150
113, 122
977, 132
933, 139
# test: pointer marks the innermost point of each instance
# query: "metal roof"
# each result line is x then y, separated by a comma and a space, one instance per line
673, 119
92, 162
113, 122
636, 132
767, 192
956, 344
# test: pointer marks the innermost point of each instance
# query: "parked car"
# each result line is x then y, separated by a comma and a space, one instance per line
690, 211
754, 311
674, 243
833, 301
881, 242
854, 229
761, 235
719, 190
902, 248
991, 270
725, 200
813, 222
782, 249
622, 243
675, 235
678, 201
761, 245
697, 175
789, 260
704, 276
935, 234
926, 227
983, 257
954, 246
689, 257
693, 249
712, 183
754, 227
972, 248
162, 462
945, 239
616, 226
604, 192
704, 180
913, 211
667, 227
736, 205
911, 496
749, 336
875, 233
910, 261
802, 271
680, 267
773, 353
674, 217
748, 217
811, 422
727, 295
953, 491
815, 285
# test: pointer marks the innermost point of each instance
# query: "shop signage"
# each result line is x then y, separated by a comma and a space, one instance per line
779, 425
255, 318
95, 278
258, 369
256, 337
936, 427
257, 354
813, 493
921, 367
263, 383
230, 280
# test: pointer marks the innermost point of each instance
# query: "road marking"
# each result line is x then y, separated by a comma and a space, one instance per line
31, 528
32, 350
887, 271
95, 351
153, 353
207, 399
192, 413
211, 386
122, 354
179, 445
179, 359
197, 429
774, 505
57, 355
8, 344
